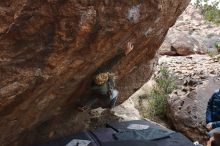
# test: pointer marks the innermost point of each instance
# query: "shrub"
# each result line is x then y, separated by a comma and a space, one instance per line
165, 81
217, 46
211, 54
209, 11
165, 84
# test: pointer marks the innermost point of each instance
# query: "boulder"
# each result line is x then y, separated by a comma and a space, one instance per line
189, 106
180, 43
212, 42
51, 50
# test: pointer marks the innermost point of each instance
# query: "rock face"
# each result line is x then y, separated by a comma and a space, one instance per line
198, 76
50, 50
188, 105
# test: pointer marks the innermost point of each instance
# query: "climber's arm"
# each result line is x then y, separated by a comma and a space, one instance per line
122, 52
129, 48
209, 110
215, 124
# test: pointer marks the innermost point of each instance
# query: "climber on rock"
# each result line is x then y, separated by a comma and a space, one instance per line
121, 53
213, 114
103, 89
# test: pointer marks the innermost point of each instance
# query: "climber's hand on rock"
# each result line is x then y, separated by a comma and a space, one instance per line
209, 126
129, 48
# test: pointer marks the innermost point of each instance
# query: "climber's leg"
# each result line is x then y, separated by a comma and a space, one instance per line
115, 97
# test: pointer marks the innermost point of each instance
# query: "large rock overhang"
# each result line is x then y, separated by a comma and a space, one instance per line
50, 50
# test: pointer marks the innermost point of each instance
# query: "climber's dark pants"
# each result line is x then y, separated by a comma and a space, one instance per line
96, 102
92, 102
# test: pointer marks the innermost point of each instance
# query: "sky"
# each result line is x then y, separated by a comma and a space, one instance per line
209, 2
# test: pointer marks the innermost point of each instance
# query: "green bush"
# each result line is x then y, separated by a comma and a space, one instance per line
217, 46
165, 81
210, 12
211, 54
165, 84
